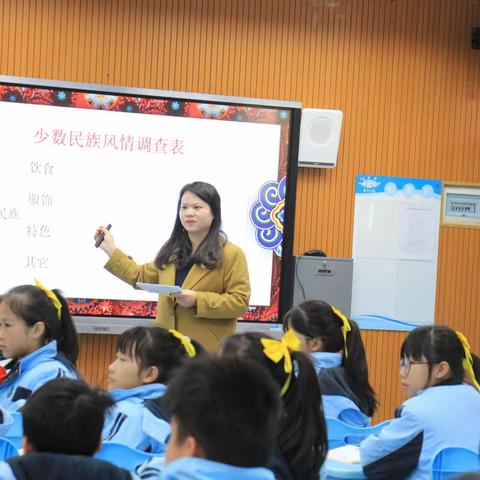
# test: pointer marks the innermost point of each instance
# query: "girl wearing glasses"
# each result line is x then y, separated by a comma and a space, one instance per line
442, 409
336, 348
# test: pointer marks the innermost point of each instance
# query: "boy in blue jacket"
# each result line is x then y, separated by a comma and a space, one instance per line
224, 415
62, 426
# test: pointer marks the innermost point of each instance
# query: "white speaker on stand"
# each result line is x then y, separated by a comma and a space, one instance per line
319, 138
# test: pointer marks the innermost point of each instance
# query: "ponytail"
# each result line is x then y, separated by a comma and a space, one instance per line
355, 363
318, 319
476, 367
67, 339
302, 436
468, 360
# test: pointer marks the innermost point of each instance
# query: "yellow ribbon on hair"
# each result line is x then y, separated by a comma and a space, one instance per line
276, 350
346, 327
468, 360
51, 295
186, 343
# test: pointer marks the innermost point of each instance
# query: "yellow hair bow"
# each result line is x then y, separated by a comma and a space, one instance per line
468, 360
186, 343
275, 350
51, 295
346, 327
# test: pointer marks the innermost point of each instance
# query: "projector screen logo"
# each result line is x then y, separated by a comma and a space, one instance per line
267, 215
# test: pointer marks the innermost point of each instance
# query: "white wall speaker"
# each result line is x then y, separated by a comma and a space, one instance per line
319, 137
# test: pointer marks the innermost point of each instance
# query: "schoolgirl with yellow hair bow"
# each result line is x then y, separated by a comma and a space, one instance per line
146, 360
301, 443
38, 336
442, 410
338, 355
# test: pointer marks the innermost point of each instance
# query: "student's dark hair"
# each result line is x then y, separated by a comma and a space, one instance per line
437, 343
178, 248
31, 304
316, 319
155, 347
302, 434
65, 416
476, 365
230, 406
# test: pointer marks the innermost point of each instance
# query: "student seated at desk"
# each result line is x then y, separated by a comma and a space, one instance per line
38, 335
62, 426
301, 445
338, 355
442, 411
146, 360
224, 416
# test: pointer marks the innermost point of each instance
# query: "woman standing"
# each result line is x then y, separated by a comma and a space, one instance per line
211, 271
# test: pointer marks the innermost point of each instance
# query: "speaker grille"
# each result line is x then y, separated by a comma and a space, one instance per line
321, 131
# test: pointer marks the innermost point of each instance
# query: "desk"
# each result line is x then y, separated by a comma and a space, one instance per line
337, 470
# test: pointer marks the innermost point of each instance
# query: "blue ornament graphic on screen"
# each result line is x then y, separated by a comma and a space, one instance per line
390, 188
427, 191
409, 190
267, 215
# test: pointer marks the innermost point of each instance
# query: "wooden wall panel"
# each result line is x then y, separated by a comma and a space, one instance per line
402, 71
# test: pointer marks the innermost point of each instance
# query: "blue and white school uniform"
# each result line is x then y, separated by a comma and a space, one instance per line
31, 372
339, 400
192, 468
435, 418
131, 423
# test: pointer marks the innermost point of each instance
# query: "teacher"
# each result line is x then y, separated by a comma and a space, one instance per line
211, 271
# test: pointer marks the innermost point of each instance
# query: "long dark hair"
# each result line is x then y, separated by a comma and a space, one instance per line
316, 319
178, 247
155, 347
31, 304
437, 343
302, 434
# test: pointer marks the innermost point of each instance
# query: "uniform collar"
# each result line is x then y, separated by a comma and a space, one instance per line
152, 390
42, 354
326, 360
202, 469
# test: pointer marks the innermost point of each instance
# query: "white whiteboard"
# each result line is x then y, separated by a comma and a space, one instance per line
395, 249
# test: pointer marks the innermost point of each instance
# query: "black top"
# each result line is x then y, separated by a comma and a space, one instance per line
57, 466
182, 272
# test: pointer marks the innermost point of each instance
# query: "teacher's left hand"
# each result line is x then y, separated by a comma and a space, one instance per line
186, 298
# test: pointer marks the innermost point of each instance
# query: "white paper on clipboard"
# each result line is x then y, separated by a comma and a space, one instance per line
156, 288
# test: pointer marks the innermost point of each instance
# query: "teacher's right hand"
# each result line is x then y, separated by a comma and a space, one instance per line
108, 244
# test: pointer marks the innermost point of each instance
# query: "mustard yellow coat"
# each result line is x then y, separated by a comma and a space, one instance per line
223, 294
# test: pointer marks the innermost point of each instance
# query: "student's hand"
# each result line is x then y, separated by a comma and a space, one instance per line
108, 245
186, 298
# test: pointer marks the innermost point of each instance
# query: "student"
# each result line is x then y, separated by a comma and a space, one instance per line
212, 271
224, 415
37, 333
338, 355
301, 439
442, 411
62, 425
146, 359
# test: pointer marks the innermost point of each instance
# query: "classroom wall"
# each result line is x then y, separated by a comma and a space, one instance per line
402, 71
